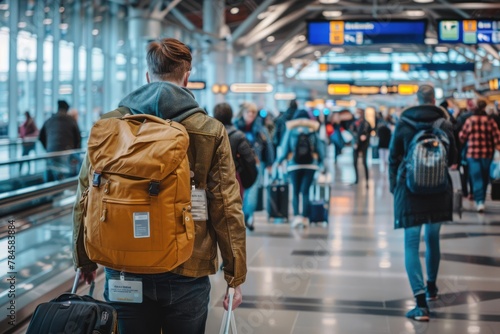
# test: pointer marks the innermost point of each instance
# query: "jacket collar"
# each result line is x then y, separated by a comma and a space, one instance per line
309, 123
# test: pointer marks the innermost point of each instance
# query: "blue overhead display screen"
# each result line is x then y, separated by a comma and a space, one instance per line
469, 31
365, 32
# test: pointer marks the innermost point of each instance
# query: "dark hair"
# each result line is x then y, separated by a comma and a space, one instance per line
293, 104
301, 114
481, 106
224, 113
62, 105
168, 59
426, 95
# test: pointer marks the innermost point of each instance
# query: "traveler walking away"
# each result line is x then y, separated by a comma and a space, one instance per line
28, 130
173, 301
280, 129
244, 158
384, 133
414, 210
259, 138
59, 133
361, 131
482, 136
304, 153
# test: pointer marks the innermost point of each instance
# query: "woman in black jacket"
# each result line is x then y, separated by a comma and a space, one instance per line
412, 210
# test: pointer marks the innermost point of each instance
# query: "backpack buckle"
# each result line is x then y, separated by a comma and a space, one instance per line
154, 188
96, 179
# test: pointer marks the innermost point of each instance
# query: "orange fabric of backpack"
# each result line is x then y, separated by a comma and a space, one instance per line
137, 209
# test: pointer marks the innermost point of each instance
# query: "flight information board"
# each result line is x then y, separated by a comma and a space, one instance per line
469, 31
365, 32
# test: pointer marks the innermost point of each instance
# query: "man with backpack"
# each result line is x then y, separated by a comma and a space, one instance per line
422, 148
197, 162
305, 153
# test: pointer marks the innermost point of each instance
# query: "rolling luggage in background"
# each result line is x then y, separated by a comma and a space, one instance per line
456, 181
495, 190
320, 203
278, 200
70, 313
278, 192
260, 198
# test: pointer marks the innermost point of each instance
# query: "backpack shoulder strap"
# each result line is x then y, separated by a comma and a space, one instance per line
437, 123
410, 122
117, 113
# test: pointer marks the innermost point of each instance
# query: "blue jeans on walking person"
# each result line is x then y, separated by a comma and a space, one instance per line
250, 196
412, 256
171, 304
479, 170
302, 180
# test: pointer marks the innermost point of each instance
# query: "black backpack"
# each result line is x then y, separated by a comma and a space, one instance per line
426, 161
245, 167
304, 149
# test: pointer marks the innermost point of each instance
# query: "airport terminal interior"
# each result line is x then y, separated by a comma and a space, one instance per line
342, 274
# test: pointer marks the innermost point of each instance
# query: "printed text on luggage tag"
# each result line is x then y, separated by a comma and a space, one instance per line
125, 291
141, 225
199, 205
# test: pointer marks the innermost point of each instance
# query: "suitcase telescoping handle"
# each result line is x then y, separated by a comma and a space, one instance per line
75, 284
228, 318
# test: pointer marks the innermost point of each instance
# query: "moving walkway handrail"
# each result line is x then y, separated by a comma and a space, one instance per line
42, 157
14, 198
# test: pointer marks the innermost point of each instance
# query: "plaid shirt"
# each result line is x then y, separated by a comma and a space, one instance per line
482, 135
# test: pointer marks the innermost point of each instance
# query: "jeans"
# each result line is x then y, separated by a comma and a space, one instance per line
172, 304
250, 196
412, 258
479, 170
363, 150
301, 180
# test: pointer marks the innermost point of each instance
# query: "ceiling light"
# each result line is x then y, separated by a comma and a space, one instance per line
270, 39
47, 21
29, 12
337, 50
61, 9
4, 6
262, 15
22, 25
415, 13
63, 26
328, 1
234, 10
95, 32
441, 49
301, 38
46, 9
430, 41
423, 1
332, 13
251, 88
386, 50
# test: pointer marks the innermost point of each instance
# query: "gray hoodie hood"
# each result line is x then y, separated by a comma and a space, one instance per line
162, 99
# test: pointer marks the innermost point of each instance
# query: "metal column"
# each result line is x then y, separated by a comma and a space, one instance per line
77, 42
13, 79
39, 88
88, 67
56, 34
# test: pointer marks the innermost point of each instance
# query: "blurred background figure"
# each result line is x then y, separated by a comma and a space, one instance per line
260, 139
361, 131
244, 158
60, 133
384, 133
304, 152
27, 132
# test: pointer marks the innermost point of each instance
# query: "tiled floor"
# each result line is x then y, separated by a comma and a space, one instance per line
349, 277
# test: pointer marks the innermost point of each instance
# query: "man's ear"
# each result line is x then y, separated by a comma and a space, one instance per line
147, 77
186, 78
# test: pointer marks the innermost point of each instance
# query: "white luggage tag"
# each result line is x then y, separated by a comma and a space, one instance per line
125, 291
199, 204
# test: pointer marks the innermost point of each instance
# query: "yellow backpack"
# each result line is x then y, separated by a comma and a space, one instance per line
138, 204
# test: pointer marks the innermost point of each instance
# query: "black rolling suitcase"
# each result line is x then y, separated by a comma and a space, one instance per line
73, 314
320, 203
278, 200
